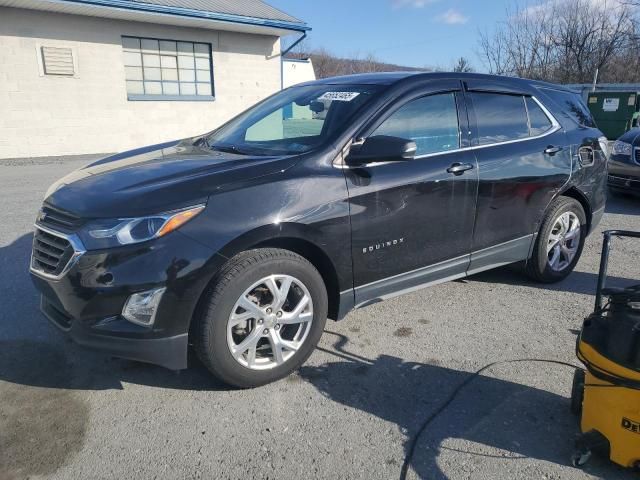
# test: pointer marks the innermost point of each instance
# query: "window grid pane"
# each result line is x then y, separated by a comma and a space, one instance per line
167, 67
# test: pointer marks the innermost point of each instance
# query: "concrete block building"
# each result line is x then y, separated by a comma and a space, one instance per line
99, 76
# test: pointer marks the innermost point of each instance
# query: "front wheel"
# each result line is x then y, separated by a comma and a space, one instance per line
560, 241
262, 319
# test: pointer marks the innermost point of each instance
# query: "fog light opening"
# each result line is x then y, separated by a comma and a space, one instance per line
141, 308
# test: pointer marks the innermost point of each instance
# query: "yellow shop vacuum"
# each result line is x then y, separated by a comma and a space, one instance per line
607, 395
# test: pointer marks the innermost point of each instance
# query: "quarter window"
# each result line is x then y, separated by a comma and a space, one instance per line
500, 118
431, 122
167, 68
572, 106
538, 120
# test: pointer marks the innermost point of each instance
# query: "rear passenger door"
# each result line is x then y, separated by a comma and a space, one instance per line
523, 162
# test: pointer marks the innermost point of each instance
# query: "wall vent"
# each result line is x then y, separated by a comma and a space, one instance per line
58, 61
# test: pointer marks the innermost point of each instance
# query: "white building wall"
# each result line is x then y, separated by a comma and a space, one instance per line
297, 71
44, 115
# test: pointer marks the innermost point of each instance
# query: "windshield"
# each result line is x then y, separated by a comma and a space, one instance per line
293, 121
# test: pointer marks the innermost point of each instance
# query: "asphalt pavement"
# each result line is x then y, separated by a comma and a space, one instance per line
350, 413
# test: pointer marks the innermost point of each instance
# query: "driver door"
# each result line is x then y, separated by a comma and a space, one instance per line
412, 221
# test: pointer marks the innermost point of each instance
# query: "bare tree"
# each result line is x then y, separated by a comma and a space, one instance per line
560, 40
462, 65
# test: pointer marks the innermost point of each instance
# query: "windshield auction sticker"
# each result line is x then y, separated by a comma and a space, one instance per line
339, 96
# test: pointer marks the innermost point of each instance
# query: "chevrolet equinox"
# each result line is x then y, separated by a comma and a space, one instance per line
325, 197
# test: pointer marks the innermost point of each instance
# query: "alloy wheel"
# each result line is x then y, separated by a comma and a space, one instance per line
563, 241
270, 322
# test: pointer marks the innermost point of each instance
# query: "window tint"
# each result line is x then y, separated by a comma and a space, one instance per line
290, 121
499, 117
295, 120
538, 120
572, 105
431, 122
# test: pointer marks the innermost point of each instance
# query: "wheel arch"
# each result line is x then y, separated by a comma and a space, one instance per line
581, 198
287, 236
318, 258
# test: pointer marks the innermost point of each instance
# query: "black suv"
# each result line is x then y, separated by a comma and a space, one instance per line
624, 164
325, 197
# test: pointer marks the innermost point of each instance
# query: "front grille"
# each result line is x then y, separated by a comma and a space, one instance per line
57, 219
636, 155
51, 253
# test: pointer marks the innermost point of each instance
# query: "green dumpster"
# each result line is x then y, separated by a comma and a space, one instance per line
614, 112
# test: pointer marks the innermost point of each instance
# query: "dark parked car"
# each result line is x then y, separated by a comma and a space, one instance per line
325, 197
624, 164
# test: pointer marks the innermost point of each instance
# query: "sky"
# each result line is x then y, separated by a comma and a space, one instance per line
415, 33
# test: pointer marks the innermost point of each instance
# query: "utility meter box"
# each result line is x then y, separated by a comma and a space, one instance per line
614, 112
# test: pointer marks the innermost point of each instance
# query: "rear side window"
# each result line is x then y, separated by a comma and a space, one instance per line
572, 105
500, 117
538, 120
431, 122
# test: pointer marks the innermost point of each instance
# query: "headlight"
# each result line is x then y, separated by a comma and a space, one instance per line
622, 148
125, 231
604, 146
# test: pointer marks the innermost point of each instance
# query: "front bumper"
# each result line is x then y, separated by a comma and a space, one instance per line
86, 303
624, 175
628, 184
168, 352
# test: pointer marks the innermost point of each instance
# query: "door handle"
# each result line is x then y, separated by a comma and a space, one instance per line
459, 168
552, 150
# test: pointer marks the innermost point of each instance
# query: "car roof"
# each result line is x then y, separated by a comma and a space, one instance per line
391, 78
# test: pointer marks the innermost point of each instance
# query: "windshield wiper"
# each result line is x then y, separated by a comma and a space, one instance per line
226, 148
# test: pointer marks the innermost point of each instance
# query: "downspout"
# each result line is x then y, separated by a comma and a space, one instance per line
282, 54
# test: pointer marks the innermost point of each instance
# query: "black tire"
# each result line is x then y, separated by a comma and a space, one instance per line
577, 392
538, 266
210, 328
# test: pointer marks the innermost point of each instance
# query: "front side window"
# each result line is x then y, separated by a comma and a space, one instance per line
167, 68
500, 118
431, 122
293, 121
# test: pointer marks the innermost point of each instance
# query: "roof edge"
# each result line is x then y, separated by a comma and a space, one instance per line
191, 13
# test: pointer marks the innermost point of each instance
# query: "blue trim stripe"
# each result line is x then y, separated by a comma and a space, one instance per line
191, 13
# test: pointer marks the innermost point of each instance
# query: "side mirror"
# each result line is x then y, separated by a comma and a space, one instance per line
317, 107
382, 148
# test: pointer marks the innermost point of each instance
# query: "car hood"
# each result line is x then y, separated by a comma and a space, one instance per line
632, 136
156, 179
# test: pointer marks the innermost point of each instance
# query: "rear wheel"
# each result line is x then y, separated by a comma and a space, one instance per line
560, 241
262, 318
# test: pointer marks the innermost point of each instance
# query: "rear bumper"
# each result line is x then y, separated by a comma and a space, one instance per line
107, 337
596, 217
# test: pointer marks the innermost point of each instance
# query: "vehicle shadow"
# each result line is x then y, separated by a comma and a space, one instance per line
34, 353
621, 204
577, 282
522, 422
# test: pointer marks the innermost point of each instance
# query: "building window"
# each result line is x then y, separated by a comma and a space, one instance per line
166, 69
